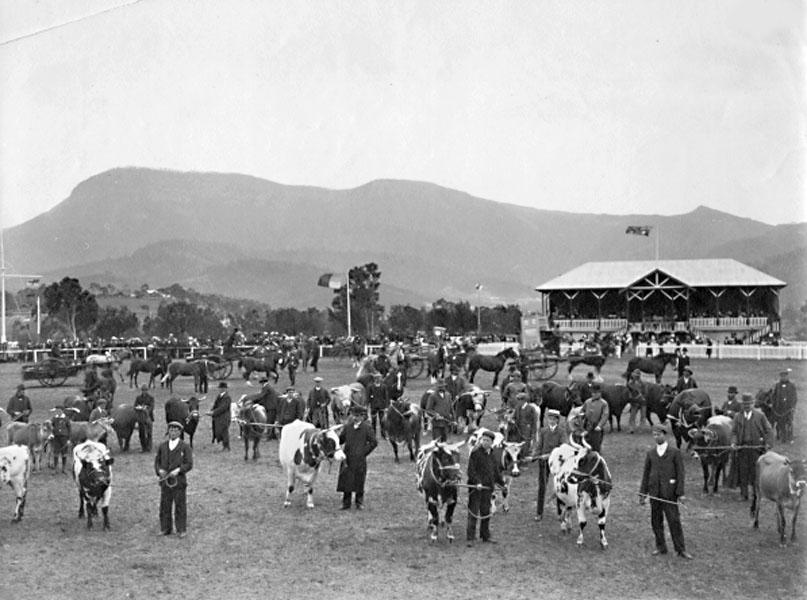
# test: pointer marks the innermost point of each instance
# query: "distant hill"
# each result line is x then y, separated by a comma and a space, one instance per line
246, 237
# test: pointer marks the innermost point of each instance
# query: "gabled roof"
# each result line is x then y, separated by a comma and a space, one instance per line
710, 272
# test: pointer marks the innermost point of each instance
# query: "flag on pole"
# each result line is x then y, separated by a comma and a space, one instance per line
329, 281
478, 286
639, 230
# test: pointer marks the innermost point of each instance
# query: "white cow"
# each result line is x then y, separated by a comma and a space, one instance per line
582, 481
15, 469
92, 472
505, 455
302, 451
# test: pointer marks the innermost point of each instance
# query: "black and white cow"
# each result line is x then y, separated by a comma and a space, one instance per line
15, 470
582, 481
92, 472
302, 451
438, 474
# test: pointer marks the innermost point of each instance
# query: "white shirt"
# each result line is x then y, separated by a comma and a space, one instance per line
747, 416
172, 444
661, 448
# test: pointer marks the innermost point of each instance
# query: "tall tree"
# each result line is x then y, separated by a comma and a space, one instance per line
365, 310
116, 321
71, 304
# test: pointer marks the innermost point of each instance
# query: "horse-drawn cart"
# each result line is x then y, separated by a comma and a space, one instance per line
541, 364
51, 372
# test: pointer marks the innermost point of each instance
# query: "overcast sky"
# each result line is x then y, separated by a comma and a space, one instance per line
605, 107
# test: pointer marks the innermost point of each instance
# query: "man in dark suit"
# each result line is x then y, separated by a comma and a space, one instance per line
482, 477
785, 398
550, 437
358, 441
682, 362
317, 408
663, 483
751, 434
173, 460
221, 416
686, 381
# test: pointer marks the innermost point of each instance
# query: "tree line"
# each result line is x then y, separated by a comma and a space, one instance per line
72, 312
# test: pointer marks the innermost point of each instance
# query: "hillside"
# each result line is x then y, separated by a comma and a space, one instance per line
269, 242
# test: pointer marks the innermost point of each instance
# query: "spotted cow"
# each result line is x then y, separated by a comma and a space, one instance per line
582, 481
92, 472
302, 451
15, 470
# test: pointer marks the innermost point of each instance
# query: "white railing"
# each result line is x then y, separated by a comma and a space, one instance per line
591, 324
751, 352
74, 353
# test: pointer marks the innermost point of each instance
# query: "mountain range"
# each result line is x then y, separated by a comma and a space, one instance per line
245, 237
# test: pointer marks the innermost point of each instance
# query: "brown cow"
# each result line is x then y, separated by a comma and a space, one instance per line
782, 481
33, 435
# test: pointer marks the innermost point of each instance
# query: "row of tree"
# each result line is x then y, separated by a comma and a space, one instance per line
72, 312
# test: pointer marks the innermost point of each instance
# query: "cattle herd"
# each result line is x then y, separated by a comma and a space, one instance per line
581, 477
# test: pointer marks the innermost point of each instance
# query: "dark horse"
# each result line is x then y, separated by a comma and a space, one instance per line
492, 364
594, 360
154, 366
438, 473
654, 366
177, 368
267, 364
253, 426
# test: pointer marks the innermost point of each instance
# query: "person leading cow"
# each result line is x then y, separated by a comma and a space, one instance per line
751, 436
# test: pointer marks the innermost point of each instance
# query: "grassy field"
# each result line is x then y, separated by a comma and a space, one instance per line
242, 543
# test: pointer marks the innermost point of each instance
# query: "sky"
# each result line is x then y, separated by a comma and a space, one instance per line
611, 107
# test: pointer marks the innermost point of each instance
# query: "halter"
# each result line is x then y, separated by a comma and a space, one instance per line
581, 476
448, 481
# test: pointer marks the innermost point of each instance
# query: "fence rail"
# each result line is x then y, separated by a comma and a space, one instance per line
727, 351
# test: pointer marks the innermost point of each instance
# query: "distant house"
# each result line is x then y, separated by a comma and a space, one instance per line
701, 296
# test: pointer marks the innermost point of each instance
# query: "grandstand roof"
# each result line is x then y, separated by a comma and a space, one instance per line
710, 272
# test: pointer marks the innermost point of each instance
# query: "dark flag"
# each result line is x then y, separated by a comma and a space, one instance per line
327, 280
639, 230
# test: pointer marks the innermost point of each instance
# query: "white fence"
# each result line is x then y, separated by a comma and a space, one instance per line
754, 352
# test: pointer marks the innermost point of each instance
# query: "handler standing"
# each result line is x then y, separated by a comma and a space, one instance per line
482, 476
784, 400
663, 481
19, 405
358, 442
751, 431
550, 437
221, 416
173, 460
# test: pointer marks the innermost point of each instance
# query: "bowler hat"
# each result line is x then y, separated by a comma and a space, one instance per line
732, 389
596, 387
222, 385
263, 380
747, 398
489, 434
20, 387
358, 410
687, 370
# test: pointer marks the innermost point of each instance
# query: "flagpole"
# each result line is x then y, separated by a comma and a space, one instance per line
478, 310
658, 239
347, 284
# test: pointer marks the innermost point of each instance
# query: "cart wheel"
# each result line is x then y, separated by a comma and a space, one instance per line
415, 368
543, 367
52, 372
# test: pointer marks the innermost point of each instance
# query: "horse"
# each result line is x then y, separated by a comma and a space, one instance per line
154, 366
654, 366
265, 364
107, 359
595, 360
492, 364
436, 363
177, 368
253, 419
438, 474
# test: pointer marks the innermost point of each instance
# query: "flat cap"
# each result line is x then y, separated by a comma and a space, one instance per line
175, 424
489, 434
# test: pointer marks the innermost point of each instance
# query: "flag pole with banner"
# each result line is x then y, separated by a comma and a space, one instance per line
644, 230
329, 281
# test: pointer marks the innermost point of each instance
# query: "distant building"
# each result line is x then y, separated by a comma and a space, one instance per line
700, 296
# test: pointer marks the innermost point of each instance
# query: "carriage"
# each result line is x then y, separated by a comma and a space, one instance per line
51, 372
540, 363
219, 362
416, 357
